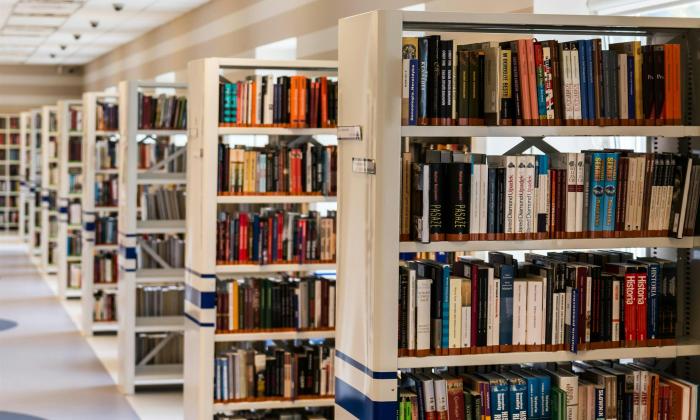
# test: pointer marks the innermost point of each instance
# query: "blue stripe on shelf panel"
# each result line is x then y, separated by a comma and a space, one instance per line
63, 210
360, 405
129, 252
204, 300
128, 235
201, 324
200, 275
90, 226
359, 366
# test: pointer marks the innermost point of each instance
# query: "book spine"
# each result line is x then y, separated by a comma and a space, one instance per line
611, 160
541, 95
641, 305
653, 302
413, 86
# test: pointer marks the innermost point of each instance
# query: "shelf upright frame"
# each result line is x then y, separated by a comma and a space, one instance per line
8, 226
48, 189
90, 212
202, 206
35, 183
369, 203
64, 200
25, 195
130, 229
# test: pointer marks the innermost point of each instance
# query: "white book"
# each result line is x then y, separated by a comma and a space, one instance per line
519, 311
455, 313
317, 304
622, 86
331, 308
483, 193
566, 76
555, 318
637, 395
440, 385
529, 194
562, 316
520, 200
679, 221
466, 326
475, 199
511, 199
269, 100
644, 395
616, 290
491, 310
567, 312
534, 311
423, 313
428, 393
411, 309
580, 177
630, 209
575, 85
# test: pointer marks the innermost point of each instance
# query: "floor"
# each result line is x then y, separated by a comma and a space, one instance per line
48, 370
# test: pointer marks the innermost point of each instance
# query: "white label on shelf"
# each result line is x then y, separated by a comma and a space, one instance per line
349, 132
364, 166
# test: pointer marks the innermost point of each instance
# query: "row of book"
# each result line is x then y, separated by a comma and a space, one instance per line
105, 306
580, 390
11, 155
9, 217
162, 112
162, 203
304, 169
153, 152
106, 154
11, 123
275, 236
75, 181
290, 373
75, 119
170, 353
283, 101
75, 212
160, 300
105, 267
74, 244
106, 230
107, 116
298, 414
9, 140
170, 249
531, 82
75, 275
560, 301
106, 191
267, 304
75, 149
450, 194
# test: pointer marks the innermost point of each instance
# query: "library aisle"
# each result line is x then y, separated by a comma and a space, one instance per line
46, 362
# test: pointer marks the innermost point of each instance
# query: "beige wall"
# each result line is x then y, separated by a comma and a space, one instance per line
229, 28
23, 87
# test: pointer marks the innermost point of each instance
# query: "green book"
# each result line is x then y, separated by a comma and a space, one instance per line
558, 404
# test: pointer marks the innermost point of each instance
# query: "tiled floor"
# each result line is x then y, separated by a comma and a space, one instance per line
47, 368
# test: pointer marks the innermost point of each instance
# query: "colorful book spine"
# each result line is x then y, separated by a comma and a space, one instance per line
413, 86
610, 188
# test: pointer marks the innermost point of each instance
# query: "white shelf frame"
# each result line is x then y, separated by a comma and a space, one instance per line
370, 65
48, 219
35, 182
202, 206
64, 199
90, 212
130, 227
6, 225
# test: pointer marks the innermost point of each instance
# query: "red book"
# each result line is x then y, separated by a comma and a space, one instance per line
324, 102
475, 304
243, 245
630, 307
455, 398
280, 231
539, 69
641, 297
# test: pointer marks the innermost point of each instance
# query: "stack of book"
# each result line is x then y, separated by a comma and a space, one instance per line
560, 301
105, 306
164, 112
275, 373
105, 268
162, 203
592, 390
74, 244
170, 249
283, 304
106, 155
160, 300
306, 169
75, 211
450, 194
298, 414
275, 236
106, 191
153, 152
169, 354
75, 182
75, 275
75, 149
75, 120
531, 82
106, 230
283, 101
107, 116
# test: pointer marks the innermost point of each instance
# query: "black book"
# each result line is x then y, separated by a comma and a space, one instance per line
501, 199
446, 104
659, 82
457, 198
436, 212
462, 86
482, 323
648, 82
433, 84
516, 111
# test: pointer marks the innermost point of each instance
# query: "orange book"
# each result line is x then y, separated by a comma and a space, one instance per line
667, 110
532, 83
294, 101
524, 80
324, 103
676, 69
303, 86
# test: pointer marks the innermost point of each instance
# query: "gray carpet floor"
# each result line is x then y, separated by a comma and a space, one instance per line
47, 369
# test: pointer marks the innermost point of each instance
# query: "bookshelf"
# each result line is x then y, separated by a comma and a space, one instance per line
49, 187
135, 233
70, 135
203, 274
95, 141
9, 173
25, 121
369, 205
35, 163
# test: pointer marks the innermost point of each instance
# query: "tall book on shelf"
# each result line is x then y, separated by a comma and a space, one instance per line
70, 184
241, 192
371, 199
99, 206
9, 174
25, 197
152, 150
35, 163
49, 187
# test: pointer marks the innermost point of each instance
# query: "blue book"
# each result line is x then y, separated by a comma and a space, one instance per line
517, 396
611, 160
499, 390
506, 305
630, 88
445, 336
589, 78
545, 383
255, 252
599, 410
542, 169
413, 86
423, 72
583, 70
596, 200
534, 398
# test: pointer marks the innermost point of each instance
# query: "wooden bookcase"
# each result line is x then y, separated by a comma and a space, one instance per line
10, 175
25, 120
133, 372
35, 182
370, 97
203, 205
49, 187
91, 136
67, 196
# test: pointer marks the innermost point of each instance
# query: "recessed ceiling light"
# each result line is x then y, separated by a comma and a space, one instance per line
52, 55
76, 36
94, 23
63, 46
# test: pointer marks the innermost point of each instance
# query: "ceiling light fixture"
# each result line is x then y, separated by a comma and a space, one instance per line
52, 55
94, 23
76, 36
63, 46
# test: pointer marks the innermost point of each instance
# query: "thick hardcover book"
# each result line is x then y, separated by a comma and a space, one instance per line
648, 83
463, 86
445, 81
434, 109
505, 68
583, 65
436, 204
516, 85
610, 188
457, 199
423, 57
659, 83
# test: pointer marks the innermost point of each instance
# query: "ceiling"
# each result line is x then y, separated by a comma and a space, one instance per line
43, 31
